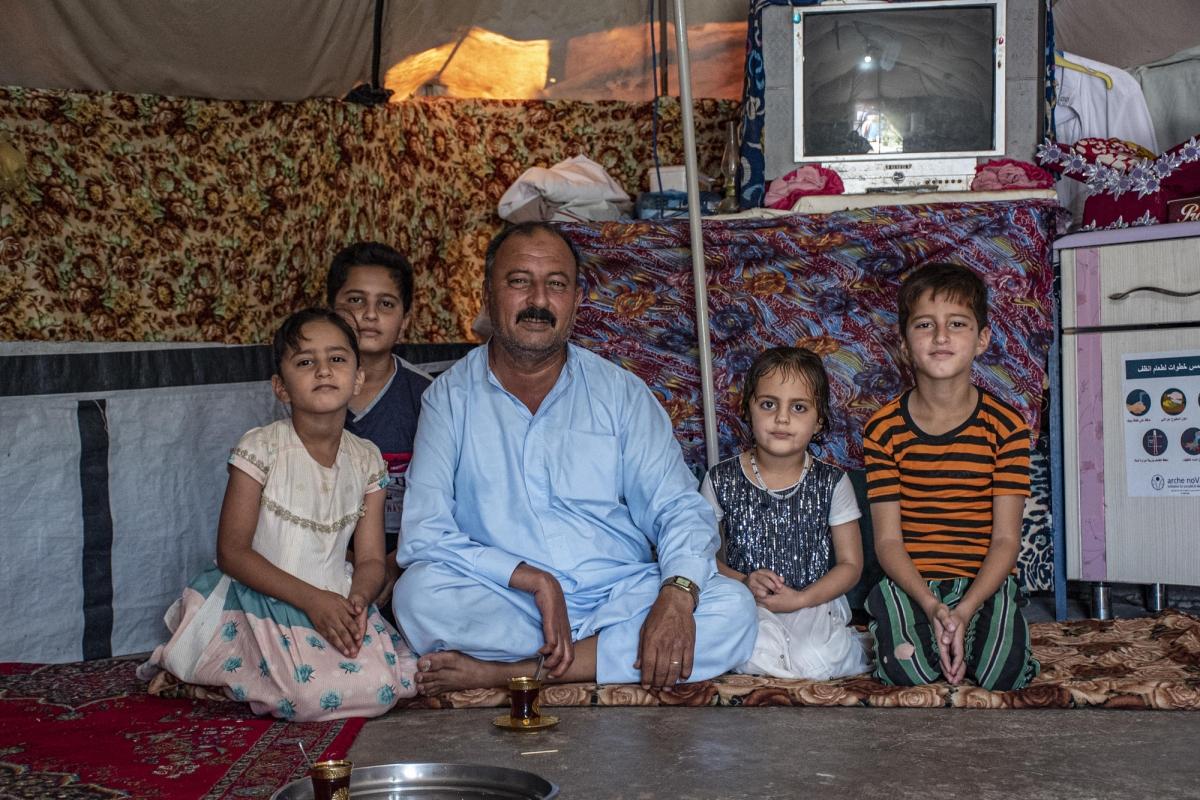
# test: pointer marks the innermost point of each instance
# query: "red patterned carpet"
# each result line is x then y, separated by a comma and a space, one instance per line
1150, 663
89, 730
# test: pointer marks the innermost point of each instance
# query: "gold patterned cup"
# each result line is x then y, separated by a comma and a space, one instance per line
526, 707
331, 779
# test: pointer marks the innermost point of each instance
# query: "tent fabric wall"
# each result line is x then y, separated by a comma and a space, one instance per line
112, 472
1123, 34
150, 218
41, 493
111, 489
1171, 87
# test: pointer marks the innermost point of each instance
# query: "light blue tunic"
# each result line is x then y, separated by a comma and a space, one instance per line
589, 489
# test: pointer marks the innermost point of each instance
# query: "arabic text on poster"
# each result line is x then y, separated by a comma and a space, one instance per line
1162, 424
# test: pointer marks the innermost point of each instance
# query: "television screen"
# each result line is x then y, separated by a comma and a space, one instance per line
889, 79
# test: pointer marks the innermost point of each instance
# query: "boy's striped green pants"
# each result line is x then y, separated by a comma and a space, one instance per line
997, 650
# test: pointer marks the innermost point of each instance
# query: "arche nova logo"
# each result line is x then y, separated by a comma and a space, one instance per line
1157, 483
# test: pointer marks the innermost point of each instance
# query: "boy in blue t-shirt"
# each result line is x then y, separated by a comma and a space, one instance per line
371, 284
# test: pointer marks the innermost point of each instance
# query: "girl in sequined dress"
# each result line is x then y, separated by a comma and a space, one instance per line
790, 524
282, 621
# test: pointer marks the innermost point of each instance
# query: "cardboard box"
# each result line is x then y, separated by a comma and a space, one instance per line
1185, 209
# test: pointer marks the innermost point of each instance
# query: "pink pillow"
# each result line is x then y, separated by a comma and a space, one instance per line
1003, 174
808, 179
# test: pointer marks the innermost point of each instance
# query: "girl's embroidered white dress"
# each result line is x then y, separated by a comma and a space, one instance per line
262, 650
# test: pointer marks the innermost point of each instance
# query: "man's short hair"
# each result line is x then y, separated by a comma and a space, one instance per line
528, 229
370, 254
952, 281
287, 338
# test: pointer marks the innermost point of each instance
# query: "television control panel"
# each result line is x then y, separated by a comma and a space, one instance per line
912, 175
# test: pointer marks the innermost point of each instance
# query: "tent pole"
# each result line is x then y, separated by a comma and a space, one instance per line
699, 276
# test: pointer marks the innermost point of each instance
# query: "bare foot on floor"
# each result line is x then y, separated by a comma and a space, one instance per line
450, 670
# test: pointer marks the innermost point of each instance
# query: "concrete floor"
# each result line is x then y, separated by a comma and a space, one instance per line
830, 753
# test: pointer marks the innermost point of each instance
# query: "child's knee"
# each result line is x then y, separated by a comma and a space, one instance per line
1008, 678
895, 664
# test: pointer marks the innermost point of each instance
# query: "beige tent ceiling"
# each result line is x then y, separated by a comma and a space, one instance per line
1126, 33
289, 50
582, 49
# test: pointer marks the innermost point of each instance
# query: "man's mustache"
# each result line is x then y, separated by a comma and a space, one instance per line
536, 314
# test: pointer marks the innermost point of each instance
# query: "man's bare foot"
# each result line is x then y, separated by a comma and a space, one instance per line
450, 670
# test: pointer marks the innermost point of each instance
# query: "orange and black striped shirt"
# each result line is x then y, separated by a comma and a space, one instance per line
945, 483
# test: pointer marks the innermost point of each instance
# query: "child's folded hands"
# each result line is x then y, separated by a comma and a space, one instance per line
335, 618
950, 629
764, 582
360, 605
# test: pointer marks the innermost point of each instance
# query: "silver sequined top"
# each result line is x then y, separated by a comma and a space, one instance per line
788, 536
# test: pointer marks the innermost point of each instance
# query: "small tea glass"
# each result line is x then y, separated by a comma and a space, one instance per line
526, 704
331, 779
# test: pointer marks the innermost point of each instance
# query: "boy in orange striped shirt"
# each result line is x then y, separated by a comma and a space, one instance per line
947, 477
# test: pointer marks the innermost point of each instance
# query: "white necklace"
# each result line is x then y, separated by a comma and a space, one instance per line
779, 494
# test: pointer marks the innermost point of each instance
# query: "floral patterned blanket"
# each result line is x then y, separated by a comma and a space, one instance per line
146, 218
1146, 663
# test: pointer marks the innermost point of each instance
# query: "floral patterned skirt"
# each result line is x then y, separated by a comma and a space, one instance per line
265, 652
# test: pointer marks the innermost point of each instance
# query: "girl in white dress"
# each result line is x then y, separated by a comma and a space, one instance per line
282, 621
790, 524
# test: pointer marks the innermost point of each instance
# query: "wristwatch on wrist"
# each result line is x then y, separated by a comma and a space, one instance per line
685, 584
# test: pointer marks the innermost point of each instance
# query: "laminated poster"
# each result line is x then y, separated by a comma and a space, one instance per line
1162, 424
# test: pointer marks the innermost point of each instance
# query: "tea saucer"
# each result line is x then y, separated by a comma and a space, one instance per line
507, 722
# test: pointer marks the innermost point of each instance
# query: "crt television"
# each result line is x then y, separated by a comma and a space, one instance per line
907, 94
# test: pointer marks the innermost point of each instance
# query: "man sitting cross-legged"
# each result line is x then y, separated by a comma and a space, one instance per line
544, 482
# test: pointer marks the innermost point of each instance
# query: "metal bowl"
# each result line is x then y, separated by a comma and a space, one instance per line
434, 782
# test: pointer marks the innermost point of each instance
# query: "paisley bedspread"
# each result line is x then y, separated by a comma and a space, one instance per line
823, 281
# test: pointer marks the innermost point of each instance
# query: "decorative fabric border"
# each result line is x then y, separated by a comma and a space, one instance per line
1145, 176
311, 525
241, 452
1145, 219
379, 478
